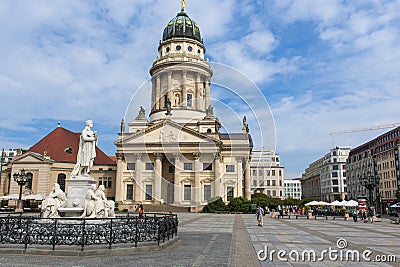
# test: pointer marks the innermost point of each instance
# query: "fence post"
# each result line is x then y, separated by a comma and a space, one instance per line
83, 234
111, 233
54, 234
26, 233
137, 230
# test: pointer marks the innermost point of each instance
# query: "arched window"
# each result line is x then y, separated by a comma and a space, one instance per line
61, 180
29, 179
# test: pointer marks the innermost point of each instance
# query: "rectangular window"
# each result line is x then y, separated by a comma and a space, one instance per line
149, 166
129, 191
229, 193
207, 166
149, 192
171, 169
254, 182
130, 166
207, 192
187, 192
109, 182
188, 166
335, 167
189, 100
334, 174
335, 182
268, 173
280, 173
230, 168
273, 193
254, 172
268, 183
273, 183
100, 181
260, 173
273, 172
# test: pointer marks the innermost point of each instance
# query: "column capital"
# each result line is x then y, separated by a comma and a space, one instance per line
158, 155
196, 155
177, 155
218, 156
120, 156
239, 159
139, 156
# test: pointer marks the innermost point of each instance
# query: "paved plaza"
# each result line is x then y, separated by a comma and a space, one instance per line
234, 240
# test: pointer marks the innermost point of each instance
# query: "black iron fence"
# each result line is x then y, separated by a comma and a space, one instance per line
32, 230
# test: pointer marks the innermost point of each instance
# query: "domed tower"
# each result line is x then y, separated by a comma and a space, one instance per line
180, 75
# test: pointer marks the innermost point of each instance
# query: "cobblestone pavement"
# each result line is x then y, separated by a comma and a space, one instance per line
233, 240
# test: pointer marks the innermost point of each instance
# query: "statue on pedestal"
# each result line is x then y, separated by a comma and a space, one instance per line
86, 152
55, 200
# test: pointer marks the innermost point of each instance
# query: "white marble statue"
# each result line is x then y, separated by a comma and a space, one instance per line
104, 207
55, 200
86, 152
89, 208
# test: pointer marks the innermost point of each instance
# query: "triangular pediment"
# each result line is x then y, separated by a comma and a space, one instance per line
166, 132
31, 157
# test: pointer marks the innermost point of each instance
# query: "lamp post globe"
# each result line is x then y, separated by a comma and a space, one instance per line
21, 179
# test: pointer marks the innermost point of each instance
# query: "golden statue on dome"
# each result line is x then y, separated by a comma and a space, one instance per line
183, 6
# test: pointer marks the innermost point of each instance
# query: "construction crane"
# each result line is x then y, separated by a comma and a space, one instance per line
378, 127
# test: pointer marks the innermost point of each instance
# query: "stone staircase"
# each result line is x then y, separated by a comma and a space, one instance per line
164, 208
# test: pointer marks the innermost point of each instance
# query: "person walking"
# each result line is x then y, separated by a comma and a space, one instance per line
141, 210
259, 215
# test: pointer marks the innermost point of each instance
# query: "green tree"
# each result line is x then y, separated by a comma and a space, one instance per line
239, 204
216, 204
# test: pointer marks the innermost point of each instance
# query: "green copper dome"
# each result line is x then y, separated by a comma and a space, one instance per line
182, 26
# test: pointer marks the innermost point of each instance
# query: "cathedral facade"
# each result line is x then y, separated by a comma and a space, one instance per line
178, 155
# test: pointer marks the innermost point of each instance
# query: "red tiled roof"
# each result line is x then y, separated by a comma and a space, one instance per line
113, 158
61, 139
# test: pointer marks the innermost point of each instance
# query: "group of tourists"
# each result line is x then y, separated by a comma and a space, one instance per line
365, 215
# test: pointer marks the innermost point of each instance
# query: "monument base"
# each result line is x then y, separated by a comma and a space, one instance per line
77, 190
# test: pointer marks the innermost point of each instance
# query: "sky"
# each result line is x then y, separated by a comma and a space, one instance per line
321, 65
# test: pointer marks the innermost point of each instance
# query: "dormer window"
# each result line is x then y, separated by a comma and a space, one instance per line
189, 98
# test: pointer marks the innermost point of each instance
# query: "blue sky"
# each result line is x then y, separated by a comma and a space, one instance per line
322, 65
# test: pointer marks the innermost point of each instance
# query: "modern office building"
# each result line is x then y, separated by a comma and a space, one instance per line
333, 174
267, 175
293, 188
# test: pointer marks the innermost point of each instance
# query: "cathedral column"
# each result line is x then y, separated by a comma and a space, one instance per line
239, 181
177, 182
184, 89
218, 190
157, 176
197, 170
118, 179
138, 178
207, 94
198, 88
158, 93
247, 180
170, 93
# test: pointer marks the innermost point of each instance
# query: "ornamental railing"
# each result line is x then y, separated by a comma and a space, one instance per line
129, 229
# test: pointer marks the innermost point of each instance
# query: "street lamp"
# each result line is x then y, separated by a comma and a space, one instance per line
370, 182
21, 179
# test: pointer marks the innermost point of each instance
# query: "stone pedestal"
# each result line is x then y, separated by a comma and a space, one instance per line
77, 189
